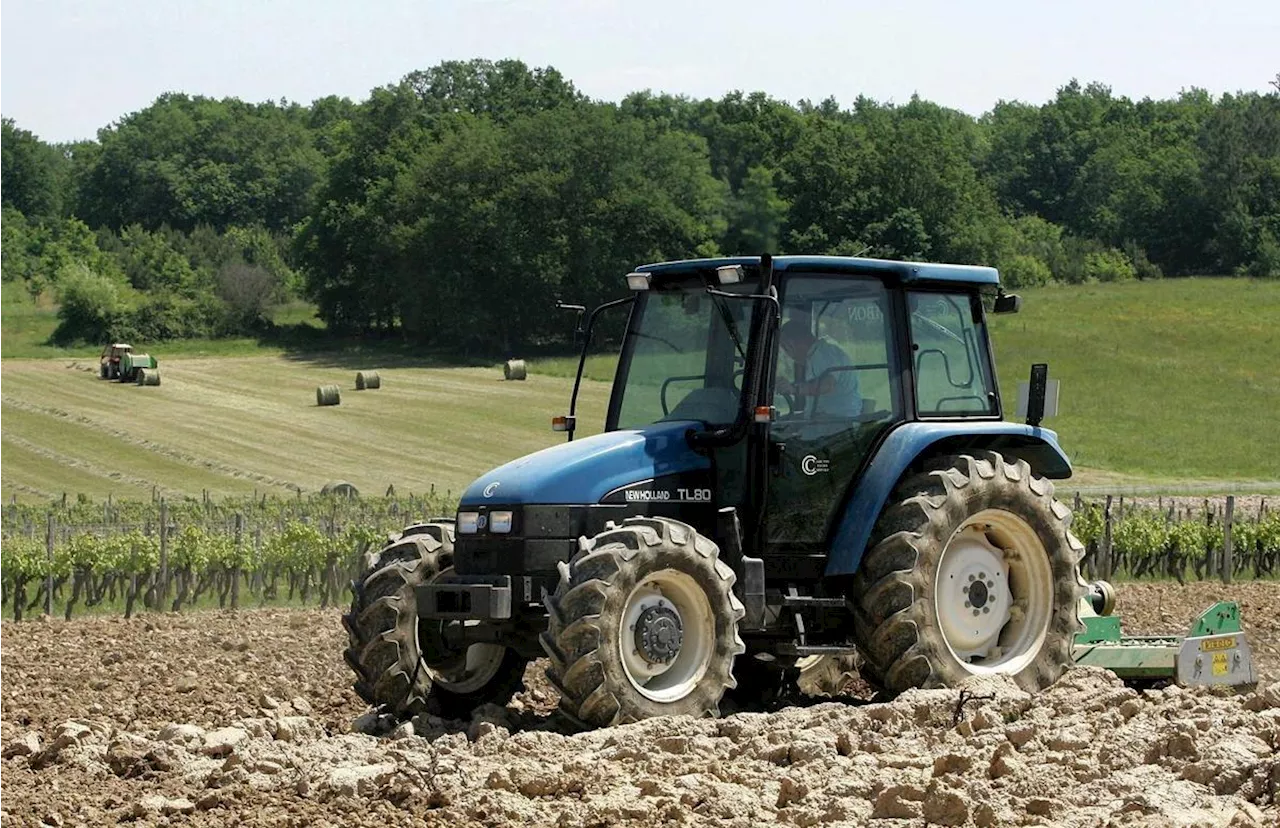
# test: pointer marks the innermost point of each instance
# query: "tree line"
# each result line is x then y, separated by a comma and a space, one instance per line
452, 208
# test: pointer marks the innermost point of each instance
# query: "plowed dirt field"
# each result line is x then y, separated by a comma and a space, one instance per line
248, 719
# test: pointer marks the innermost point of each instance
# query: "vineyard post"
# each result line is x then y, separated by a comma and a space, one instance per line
164, 554
1226, 539
49, 538
235, 570
1106, 541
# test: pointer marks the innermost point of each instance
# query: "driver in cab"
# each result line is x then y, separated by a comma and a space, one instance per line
826, 393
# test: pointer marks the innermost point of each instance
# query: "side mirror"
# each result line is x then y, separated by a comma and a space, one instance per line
1008, 303
577, 322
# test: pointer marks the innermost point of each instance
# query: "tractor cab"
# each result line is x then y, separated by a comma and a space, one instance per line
788, 380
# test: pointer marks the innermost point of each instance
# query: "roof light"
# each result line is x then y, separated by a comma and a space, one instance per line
765, 413
638, 281
563, 423
730, 274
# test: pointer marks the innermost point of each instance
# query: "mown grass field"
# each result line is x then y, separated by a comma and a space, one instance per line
1167, 386
235, 425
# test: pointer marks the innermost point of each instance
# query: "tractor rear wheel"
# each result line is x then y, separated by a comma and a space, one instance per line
643, 623
972, 570
403, 665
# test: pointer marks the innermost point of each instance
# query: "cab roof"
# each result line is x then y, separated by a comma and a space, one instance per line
903, 271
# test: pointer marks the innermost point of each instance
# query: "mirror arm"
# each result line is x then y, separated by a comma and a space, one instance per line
582, 357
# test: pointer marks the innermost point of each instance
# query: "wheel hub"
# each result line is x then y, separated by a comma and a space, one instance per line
974, 600
659, 634
666, 637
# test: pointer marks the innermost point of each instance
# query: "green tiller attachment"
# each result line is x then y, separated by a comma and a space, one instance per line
1214, 652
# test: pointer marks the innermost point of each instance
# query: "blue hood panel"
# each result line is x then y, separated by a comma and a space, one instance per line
584, 471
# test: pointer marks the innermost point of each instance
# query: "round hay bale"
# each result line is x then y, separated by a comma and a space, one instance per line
148, 376
367, 380
340, 488
328, 395
514, 369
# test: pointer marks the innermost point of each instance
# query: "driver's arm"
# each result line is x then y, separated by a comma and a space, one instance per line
822, 360
817, 388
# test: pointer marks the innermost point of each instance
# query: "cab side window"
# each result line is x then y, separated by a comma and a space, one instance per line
952, 371
835, 346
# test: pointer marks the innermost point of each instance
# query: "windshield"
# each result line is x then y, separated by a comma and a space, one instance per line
683, 357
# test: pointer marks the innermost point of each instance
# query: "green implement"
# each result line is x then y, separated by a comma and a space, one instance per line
1214, 652
132, 363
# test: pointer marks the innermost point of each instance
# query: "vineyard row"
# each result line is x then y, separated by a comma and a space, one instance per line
169, 556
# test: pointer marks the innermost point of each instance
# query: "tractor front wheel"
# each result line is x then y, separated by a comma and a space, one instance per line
972, 570
643, 623
402, 664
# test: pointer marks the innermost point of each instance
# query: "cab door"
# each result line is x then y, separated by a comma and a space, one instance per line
835, 392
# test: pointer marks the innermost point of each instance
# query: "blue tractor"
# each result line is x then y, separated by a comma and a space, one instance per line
805, 458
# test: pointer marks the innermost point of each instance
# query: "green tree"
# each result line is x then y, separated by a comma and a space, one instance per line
32, 173
90, 306
185, 161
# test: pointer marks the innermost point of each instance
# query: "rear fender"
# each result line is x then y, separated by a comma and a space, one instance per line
911, 444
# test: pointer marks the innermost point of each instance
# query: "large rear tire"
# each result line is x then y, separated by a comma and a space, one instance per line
643, 623
972, 570
402, 665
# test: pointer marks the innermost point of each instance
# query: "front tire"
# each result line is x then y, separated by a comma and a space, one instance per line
643, 623
972, 570
401, 663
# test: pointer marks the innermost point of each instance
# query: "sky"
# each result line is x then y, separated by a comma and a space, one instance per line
68, 69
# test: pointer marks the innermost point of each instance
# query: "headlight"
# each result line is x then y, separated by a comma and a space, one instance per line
500, 522
468, 523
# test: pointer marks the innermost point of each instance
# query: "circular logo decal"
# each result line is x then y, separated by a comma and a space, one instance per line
811, 465
490, 489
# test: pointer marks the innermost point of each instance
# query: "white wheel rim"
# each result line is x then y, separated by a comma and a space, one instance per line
480, 665
672, 680
993, 593
474, 670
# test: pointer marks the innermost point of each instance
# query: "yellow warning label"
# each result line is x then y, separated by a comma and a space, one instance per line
1225, 642
1219, 664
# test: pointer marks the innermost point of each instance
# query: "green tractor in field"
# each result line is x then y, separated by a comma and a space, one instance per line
805, 458
119, 362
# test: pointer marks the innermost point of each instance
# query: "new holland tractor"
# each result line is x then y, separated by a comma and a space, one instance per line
804, 457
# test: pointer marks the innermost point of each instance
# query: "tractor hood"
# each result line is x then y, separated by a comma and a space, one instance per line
584, 471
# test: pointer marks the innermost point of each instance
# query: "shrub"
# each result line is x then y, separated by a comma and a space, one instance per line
1023, 270
248, 291
90, 306
1108, 265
